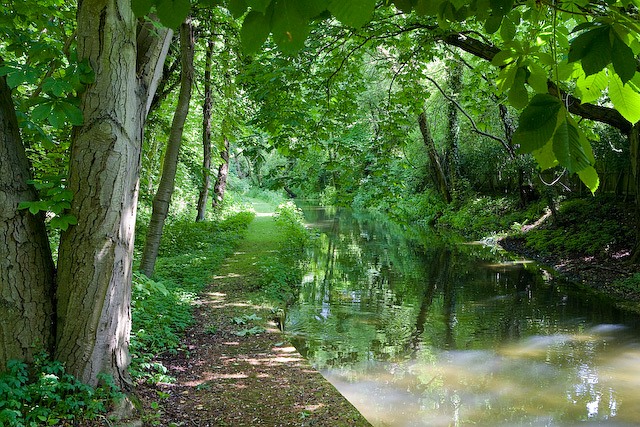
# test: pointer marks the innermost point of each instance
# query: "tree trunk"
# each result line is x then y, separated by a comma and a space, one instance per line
437, 172
26, 265
634, 143
162, 199
206, 135
95, 256
452, 157
221, 181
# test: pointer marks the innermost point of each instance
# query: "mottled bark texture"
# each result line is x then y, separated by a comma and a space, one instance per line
26, 265
162, 199
95, 256
207, 113
223, 173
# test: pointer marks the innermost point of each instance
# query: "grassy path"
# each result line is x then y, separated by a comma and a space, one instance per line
239, 369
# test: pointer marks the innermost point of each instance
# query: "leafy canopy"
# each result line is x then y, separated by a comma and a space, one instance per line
584, 48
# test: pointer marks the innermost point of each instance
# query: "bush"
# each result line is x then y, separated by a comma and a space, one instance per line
43, 394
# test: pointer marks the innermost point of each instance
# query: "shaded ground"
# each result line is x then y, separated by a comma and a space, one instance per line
238, 369
600, 271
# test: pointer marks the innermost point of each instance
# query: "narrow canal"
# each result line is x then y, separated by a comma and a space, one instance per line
415, 332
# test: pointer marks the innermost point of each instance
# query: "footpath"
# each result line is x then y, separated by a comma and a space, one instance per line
238, 368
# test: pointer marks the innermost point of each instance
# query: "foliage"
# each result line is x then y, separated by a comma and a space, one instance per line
481, 216
584, 227
44, 394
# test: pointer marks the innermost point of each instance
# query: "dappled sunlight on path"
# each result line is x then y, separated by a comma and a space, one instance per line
237, 368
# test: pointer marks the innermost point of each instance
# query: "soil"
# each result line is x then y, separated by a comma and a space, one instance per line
238, 369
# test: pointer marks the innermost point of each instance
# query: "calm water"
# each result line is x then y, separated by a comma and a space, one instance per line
418, 333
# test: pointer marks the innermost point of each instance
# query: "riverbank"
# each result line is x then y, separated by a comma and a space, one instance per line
589, 244
234, 366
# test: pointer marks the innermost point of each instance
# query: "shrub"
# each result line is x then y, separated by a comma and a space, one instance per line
44, 394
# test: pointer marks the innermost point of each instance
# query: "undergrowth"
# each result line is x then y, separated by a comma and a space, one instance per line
586, 227
43, 394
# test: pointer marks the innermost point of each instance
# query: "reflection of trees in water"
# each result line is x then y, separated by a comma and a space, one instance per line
407, 303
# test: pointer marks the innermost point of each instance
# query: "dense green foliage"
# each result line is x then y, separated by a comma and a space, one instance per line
44, 395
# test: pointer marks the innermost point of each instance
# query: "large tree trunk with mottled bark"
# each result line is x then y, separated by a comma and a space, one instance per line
207, 112
162, 199
437, 172
223, 173
26, 265
95, 256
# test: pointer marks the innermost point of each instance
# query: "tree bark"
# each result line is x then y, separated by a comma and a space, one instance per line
223, 173
634, 143
26, 265
96, 255
162, 199
452, 157
437, 172
207, 112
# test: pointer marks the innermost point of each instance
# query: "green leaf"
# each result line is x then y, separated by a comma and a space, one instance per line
42, 111
289, 25
258, 5
590, 88
538, 122
507, 30
73, 113
56, 86
518, 95
501, 7
624, 98
567, 146
507, 76
590, 178
172, 13
237, 7
254, 32
427, 7
592, 48
352, 13
545, 157
623, 59
492, 23
504, 57
538, 78
404, 5
141, 7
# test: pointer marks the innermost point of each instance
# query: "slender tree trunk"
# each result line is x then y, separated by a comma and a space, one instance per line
26, 265
634, 143
162, 199
437, 172
223, 172
206, 135
96, 255
452, 157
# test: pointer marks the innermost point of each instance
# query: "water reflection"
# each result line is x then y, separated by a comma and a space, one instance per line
417, 333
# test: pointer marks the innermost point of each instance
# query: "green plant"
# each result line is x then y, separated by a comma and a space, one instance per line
44, 394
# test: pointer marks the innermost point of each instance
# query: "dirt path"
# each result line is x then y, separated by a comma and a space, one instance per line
231, 376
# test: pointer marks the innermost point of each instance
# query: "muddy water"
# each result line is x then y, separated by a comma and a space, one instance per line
415, 332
